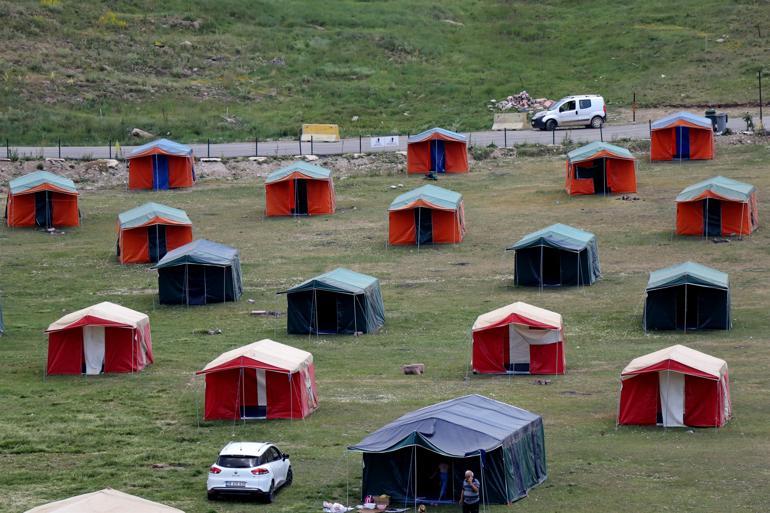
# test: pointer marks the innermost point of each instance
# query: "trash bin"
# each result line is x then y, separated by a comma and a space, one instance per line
720, 123
712, 115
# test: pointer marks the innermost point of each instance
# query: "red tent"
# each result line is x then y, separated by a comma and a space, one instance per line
682, 136
518, 339
674, 387
161, 165
600, 168
146, 233
42, 199
717, 207
426, 215
299, 189
101, 338
438, 150
263, 380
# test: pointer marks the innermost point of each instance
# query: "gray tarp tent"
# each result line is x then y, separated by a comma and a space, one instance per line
502, 444
340, 301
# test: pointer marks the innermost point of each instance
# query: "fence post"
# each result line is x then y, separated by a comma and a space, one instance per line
208, 148
256, 146
759, 77
633, 109
553, 137
60, 147
359, 143
505, 137
299, 141
601, 133
311, 145
109, 148
649, 124
7, 149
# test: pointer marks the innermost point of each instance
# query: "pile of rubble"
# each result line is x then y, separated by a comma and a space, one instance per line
521, 102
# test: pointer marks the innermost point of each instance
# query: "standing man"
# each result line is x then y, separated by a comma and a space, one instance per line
469, 497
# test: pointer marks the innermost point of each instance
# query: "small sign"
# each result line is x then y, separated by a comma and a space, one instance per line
320, 133
388, 141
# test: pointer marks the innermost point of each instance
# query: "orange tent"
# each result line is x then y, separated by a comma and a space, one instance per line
427, 215
682, 136
42, 199
161, 165
299, 189
600, 168
146, 233
437, 150
717, 207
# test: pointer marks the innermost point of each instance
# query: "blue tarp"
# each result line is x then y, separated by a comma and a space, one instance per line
309, 170
162, 145
38, 178
201, 251
431, 133
438, 196
678, 117
138, 216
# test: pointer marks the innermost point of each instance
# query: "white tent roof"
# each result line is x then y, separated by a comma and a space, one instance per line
681, 354
106, 311
539, 315
266, 351
104, 501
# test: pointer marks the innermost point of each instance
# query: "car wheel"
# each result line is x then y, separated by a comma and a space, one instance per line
270, 495
289, 477
550, 125
597, 122
212, 496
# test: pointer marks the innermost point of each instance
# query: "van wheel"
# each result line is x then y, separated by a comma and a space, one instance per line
597, 122
550, 125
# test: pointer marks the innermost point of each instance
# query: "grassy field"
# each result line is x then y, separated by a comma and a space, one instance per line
61, 436
87, 71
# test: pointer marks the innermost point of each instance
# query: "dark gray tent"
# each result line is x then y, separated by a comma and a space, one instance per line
558, 255
503, 445
340, 301
687, 296
199, 273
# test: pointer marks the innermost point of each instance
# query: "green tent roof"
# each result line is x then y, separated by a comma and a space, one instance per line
442, 198
317, 172
143, 213
726, 188
32, 180
338, 280
588, 151
557, 235
688, 273
201, 252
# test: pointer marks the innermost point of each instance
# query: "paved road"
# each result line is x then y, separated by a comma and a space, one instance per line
353, 145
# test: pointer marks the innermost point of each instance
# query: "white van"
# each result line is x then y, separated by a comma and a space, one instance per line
582, 110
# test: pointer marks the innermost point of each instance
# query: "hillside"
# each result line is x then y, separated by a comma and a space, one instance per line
86, 71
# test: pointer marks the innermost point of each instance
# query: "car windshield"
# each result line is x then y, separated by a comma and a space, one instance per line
238, 461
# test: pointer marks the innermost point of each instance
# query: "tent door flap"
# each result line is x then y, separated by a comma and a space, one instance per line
43, 209
712, 216
437, 156
196, 284
682, 150
423, 222
156, 238
159, 172
259, 410
518, 351
671, 398
300, 198
93, 349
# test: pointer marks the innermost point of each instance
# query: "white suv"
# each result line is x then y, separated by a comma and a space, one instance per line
582, 110
249, 468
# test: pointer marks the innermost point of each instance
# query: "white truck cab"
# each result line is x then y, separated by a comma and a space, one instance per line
586, 110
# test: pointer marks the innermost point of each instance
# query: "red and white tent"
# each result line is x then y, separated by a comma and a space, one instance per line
101, 338
263, 380
518, 339
675, 387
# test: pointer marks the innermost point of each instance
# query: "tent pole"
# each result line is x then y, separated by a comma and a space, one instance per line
419, 225
186, 285
415, 479
483, 488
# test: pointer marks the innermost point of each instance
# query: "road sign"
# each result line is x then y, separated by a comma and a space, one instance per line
388, 141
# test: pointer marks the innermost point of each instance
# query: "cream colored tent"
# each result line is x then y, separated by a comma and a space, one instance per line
104, 501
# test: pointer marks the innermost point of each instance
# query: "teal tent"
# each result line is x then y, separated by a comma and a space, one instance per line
687, 296
340, 301
558, 255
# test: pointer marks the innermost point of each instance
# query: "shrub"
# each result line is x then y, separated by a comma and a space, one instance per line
110, 19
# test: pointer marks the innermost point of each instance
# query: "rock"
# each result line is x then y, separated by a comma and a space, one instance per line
311, 158
453, 22
278, 61
402, 153
138, 132
354, 118
186, 43
210, 159
109, 163
212, 169
413, 369
258, 159
720, 40
359, 155
54, 159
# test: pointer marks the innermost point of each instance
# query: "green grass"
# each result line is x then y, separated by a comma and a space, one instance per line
87, 71
67, 435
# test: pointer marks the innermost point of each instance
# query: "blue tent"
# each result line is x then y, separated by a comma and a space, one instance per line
503, 445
